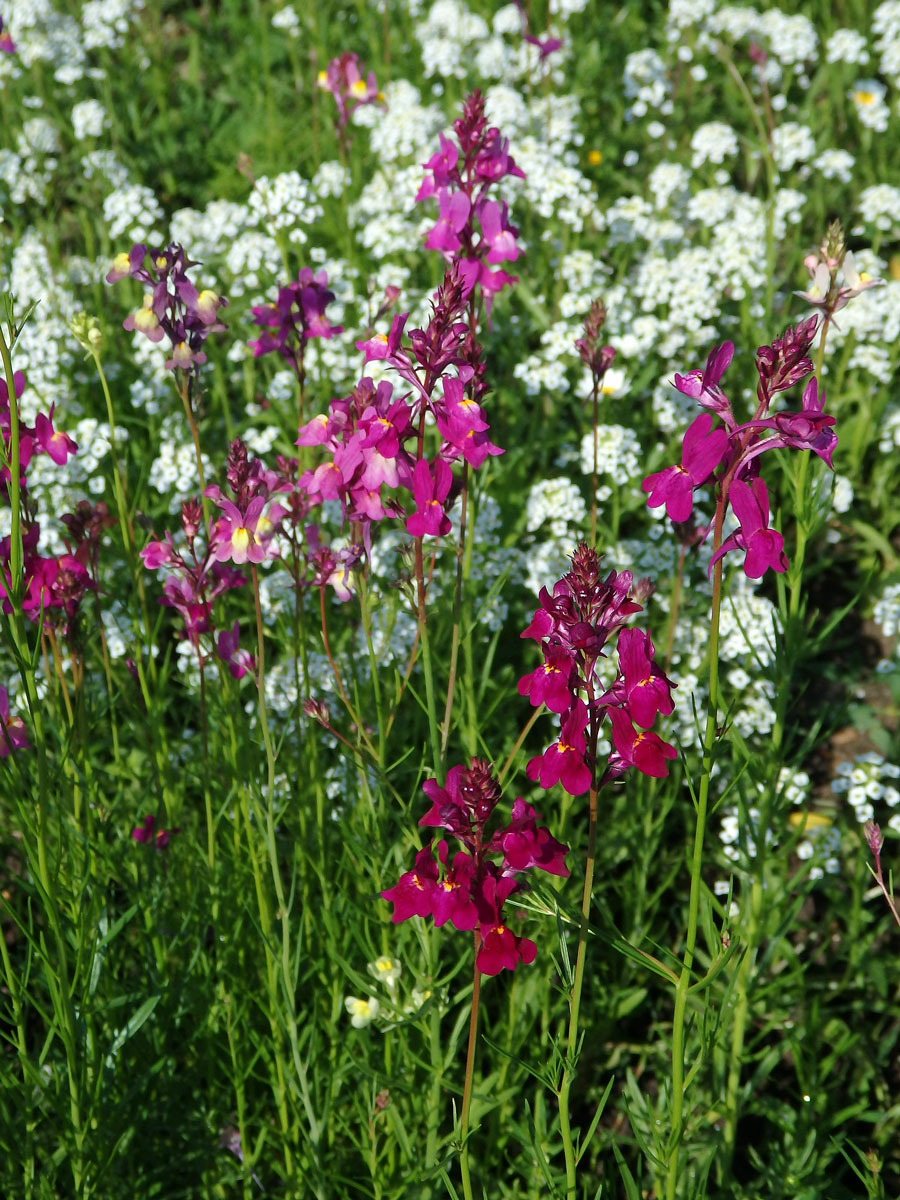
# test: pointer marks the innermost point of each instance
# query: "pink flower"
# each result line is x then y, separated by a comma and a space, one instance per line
242, 537
53, 442
647, 690
703, 448
429, 494
148, 833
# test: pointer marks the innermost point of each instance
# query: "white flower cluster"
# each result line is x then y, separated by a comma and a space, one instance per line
57, 489
174, 471
713, 142
879, 205
886, 27
286, 18
847, 46
45, 348
133, 212
106, 22
557, 503
887, 610
835, 164
862, 781
792, 143
619, 455
89, 119
646, 83
42, 34
449, 36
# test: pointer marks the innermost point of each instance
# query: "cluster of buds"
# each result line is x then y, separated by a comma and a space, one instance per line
832, 260
296, 316
172, 307
472, 230
596, 357
345, 78
717, 447
582, 615
470, 889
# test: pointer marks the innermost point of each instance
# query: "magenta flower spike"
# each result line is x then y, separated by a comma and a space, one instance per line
470, 889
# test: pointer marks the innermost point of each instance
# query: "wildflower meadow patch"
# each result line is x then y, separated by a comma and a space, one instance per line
450, 586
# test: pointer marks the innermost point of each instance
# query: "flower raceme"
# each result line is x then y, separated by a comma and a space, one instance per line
716, 447
582, 615
470, 888
173, 307
472, 230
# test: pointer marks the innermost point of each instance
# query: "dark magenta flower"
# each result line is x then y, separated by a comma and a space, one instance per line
149, 834
412, 895
563, 761
763, 547
646, 689
240, 662
52, 441
172, 307
7, 45
641, 749
550, 683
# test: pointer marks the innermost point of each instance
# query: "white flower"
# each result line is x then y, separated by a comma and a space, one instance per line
362, 1012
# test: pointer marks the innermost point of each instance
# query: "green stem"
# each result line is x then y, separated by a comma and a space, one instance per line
470, 1075
684, 978
571, 1062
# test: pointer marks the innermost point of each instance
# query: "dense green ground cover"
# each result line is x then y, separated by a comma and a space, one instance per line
228, 1009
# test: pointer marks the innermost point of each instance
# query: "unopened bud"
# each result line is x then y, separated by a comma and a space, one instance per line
874, 837
317, 710
87, 332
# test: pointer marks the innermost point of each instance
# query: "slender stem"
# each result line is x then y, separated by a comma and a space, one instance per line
470, 1075
457, 615
595, 406
684, 979
430, 701
674, 605
575, 1002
